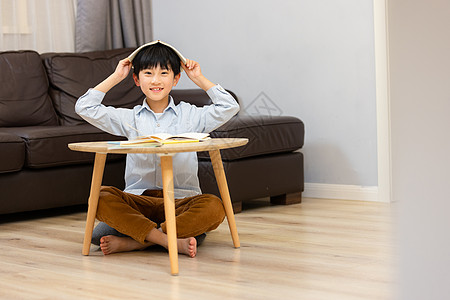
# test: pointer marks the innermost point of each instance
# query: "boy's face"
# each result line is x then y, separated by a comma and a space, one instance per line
156, 83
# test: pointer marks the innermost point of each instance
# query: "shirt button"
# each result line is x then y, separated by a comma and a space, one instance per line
157, 125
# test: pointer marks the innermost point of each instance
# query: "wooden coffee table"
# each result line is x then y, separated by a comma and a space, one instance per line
213, 146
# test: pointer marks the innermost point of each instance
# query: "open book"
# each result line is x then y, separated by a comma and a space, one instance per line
135, 52
159, 139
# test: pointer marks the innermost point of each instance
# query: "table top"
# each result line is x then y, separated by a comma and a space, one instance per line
208, 145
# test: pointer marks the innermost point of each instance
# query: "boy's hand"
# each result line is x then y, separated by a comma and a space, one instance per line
193, 71
122, 69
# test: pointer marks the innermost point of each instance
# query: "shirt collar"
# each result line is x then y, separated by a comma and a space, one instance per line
171, 106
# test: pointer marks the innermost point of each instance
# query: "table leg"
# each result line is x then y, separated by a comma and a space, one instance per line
97, 176
169, 208
219, 172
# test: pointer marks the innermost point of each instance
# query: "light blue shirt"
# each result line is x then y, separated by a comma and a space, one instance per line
143, 171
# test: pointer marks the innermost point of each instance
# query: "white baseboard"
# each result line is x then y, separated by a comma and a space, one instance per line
339, 191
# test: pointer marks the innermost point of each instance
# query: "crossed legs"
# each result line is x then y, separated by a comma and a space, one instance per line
140, 220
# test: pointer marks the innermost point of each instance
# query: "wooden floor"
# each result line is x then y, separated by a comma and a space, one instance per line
320, 249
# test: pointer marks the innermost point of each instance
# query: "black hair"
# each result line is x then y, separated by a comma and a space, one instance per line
157, 55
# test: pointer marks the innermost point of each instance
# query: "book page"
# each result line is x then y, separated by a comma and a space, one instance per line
141, 140
163, 138
187, 135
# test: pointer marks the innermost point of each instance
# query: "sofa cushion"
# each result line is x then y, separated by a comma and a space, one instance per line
46, 146
12, 152
71, 74
24, 98
266, 134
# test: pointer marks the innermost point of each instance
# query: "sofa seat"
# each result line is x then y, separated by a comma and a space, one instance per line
46, 146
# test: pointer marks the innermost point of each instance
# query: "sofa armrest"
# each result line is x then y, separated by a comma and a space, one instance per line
266, 134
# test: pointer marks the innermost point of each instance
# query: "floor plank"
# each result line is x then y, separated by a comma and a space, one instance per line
319, 249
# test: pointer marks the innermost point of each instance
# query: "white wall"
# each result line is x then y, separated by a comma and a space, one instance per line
419, 46
313, 59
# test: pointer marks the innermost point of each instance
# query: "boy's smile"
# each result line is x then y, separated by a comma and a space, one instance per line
156, 83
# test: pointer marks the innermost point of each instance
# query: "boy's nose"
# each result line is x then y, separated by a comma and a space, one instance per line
155, 79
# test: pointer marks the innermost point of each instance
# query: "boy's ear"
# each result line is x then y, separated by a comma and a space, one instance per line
136, 80
176, 79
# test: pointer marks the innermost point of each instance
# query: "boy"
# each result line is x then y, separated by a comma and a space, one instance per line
137, 213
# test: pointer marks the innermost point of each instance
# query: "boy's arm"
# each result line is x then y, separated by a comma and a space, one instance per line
109, 119
224, 106
210, 117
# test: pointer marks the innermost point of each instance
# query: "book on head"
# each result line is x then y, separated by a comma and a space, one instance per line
135, 52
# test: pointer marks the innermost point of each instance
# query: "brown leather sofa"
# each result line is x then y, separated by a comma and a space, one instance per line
37, 121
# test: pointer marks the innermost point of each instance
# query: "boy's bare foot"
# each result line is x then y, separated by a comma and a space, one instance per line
113, 244
187, 246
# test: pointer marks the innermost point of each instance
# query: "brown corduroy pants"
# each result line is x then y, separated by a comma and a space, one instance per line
137, 215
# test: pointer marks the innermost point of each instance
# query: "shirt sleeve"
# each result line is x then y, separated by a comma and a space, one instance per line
107, 118
224, 107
